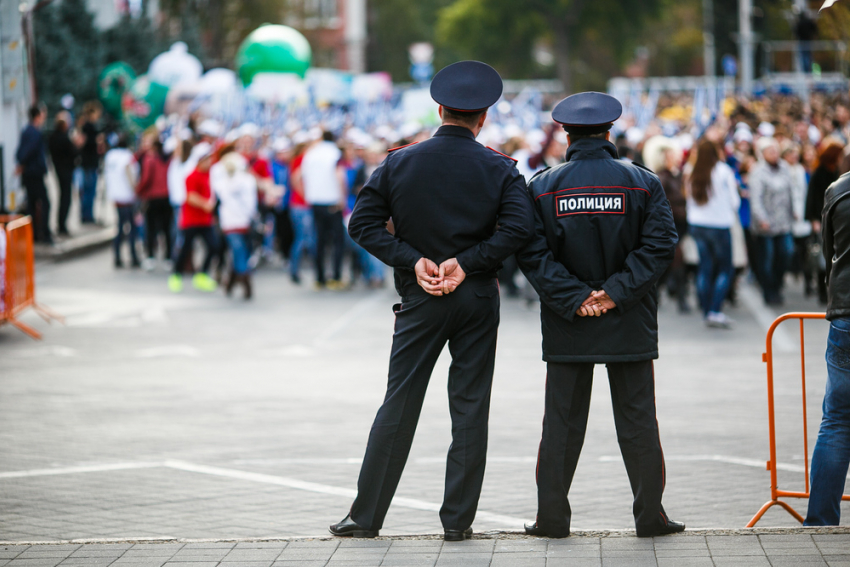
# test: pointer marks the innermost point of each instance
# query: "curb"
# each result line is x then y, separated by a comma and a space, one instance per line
76, 246
513, 535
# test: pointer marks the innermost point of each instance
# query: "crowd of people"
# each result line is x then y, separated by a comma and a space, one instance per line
746, 192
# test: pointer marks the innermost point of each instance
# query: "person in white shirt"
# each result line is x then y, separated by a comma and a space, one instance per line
712, 205
236, 189
120, 173
324, 182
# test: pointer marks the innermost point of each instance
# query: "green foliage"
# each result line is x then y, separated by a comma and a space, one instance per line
503, 32
132, 41
67, 52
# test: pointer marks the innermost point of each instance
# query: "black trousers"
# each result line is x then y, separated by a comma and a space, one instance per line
38, 206
65, 176
467, 320
207, 233
329, 228
158, 220
568, 387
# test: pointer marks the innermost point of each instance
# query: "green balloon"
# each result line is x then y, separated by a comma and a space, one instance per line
273, 49
114, 81
143, 103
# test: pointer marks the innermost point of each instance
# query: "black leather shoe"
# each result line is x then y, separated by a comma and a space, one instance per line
350, 528
671, 528
533, 529
457, 535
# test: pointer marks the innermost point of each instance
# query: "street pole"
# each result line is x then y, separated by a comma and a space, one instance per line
708, 51
745, 44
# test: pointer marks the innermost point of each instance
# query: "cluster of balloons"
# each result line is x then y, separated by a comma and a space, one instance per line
139, 100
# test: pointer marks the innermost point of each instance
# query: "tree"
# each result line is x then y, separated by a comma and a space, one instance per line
505, 30
67, 52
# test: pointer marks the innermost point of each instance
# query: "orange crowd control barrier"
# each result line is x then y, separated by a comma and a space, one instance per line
767, 357
19, 277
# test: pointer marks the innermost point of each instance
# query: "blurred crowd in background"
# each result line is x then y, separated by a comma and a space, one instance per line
194, 197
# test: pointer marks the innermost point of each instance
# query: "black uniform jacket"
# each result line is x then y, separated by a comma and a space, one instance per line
836, 247
446, 196
600, 223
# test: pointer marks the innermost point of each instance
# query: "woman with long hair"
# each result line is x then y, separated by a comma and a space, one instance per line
152, 190
236, 189
712, 206
826, 171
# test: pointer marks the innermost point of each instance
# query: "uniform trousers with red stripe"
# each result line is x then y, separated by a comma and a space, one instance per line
568, 387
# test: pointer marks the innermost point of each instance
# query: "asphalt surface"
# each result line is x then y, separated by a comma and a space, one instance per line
153, 415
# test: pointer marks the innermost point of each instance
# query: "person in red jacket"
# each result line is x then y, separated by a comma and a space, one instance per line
152, 191
197, 220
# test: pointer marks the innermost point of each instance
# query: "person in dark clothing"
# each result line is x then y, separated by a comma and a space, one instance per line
63, 154
32, 167
825, 173
604, 236
464, 207
90, 159
831, 457
152, 190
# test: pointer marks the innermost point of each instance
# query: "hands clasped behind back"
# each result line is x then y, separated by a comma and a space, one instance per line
439, 280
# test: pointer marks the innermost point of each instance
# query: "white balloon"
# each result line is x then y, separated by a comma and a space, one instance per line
176, 66
218, 81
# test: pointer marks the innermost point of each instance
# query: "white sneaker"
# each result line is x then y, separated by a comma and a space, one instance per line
718, 321
148, 264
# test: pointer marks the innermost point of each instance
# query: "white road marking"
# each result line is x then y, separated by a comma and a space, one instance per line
350, 317
765, 317
79, 469
167, 350
325, 489
39, 352
359, 460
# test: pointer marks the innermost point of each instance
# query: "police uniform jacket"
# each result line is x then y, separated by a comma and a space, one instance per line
446, 196
600, 223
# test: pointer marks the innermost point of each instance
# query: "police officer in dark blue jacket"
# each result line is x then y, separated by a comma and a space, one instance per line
458, 210
604, 235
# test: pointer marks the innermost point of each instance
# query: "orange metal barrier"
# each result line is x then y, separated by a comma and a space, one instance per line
767, 357
20, 275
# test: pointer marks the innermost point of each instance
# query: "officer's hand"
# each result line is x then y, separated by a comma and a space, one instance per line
427, 276
604, 300
590, 307
451, 275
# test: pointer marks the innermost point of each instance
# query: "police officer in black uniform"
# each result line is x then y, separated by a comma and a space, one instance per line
459, 209
604, 235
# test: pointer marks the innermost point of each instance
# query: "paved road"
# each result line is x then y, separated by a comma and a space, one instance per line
194, 416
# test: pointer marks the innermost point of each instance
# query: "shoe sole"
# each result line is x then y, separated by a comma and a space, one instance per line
358, 534
457, 536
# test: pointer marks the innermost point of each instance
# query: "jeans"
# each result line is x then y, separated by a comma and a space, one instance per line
188, 235
715, 271
241, 251
88, 191
125, 217
831, 458
329, 227
774, 258
302, 225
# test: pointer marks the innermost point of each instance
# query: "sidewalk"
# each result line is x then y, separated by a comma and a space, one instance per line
698, 548
83, 238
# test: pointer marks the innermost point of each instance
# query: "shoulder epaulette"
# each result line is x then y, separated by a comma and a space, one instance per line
404, 146
539, 172
501, 154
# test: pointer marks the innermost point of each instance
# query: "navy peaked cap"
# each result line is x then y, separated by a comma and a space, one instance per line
467, 86
586, 110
